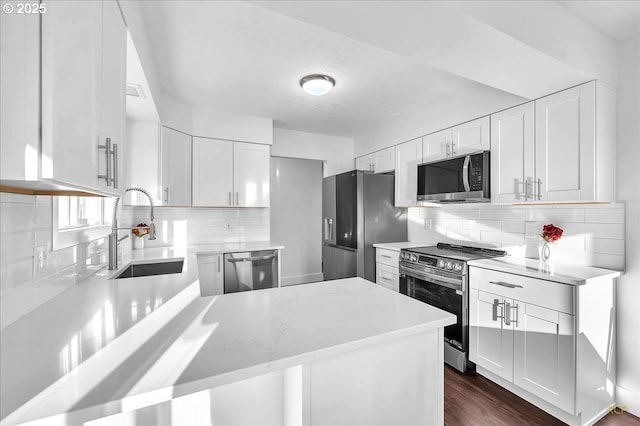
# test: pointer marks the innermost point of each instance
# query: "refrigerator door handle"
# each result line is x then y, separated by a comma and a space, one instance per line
328, 229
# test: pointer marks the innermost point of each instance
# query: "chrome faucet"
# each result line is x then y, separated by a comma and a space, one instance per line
114, 241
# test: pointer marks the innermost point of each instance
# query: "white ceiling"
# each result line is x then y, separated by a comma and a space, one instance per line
617, 19
388, 59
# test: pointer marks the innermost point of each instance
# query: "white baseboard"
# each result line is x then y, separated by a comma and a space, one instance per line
300, 279
628, 400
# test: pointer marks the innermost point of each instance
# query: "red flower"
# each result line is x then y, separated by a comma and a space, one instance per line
551, 233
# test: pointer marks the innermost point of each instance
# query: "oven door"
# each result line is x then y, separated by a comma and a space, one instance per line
443, 292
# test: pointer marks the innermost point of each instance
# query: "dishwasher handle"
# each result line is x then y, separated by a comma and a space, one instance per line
250, 259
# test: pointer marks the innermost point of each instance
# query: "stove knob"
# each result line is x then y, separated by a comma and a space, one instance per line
414, 258
449, 265
457, 267
401, 256
441, 263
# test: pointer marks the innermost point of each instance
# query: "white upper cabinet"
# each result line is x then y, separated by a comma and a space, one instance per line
378, 162
408, 156
470, 137
79, 61
566, 154
230, 174
113, 97
464, 138
71, 92
436, 146
512, 149
175, 168
251, 174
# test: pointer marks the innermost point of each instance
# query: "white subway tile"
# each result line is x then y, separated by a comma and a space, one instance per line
551, 215
481, 224
598, 230
463, 234
7, 197
463, 213
17, 217
501, 237
604, 215
605, 246
16, 245
512, 226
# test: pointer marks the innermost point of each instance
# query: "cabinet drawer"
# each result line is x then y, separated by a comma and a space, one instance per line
387, 276
388, 257
549, 294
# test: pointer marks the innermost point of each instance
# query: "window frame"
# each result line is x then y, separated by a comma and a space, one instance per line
74, 235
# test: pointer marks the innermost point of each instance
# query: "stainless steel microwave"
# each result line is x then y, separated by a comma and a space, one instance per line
456, 179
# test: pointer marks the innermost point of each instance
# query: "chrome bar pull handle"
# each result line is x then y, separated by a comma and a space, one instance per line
166, 194
539, 189
453, 147
505, 284
507, 313
527, 187
229, 198
237, 197
448, 149
114, 158
494, 310
107, 149
219, 263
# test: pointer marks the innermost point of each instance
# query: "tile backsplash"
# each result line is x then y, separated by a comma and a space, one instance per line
32, 273
177, 225
593, 233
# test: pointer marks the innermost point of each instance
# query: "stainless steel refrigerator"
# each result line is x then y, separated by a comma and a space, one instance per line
358, 211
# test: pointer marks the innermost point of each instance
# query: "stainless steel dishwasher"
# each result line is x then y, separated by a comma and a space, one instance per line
250, 270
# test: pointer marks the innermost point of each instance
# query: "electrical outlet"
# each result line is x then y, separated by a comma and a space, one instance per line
40, 258
532, 229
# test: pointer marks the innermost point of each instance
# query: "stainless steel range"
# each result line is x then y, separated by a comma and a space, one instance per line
437, 275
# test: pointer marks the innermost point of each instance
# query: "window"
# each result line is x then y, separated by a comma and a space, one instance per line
80, 219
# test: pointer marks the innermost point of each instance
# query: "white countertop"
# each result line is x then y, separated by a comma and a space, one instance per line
237, 247
552, 271
400, 245
106, 346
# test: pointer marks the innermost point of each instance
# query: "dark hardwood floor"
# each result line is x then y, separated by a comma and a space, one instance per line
470, 400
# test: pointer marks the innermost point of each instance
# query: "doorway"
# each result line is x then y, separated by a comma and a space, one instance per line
296, 218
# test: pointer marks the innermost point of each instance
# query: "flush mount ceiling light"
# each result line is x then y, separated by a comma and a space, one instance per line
317, 84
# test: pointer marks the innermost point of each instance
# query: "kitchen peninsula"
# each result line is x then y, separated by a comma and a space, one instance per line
343, 351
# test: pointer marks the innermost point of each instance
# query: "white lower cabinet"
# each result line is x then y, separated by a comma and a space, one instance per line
211, 274
387, 272
529, 336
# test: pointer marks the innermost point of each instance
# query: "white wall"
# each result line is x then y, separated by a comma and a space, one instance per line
628, 192
217, 124
336, 152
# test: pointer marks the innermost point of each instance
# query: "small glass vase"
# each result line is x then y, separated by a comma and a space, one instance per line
545, 252
138, 243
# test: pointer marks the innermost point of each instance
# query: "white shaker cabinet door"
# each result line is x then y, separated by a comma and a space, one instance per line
212, 172
565, 145
176, 168
114, 70
470, 137
512, 154
543, 353
251, 175
385, 160
436, 146
71, 84
366, 162
408, 156
490, 339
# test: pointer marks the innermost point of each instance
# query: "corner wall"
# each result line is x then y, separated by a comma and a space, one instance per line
336, 152
628, 192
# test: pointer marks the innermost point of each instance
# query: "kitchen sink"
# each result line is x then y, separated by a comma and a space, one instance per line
147, 269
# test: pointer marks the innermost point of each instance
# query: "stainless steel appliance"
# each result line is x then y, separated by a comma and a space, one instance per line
358, 212
253, 270
458, 179
437, 275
